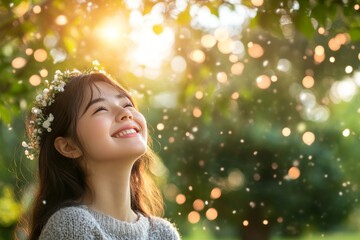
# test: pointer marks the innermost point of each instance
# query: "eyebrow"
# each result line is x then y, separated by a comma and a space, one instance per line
100, 99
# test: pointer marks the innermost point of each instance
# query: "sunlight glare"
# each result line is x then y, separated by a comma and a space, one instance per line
110, 29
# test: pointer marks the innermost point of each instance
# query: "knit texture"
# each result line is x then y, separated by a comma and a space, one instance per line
83, 223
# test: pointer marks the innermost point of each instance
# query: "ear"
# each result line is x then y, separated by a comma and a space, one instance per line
67, 148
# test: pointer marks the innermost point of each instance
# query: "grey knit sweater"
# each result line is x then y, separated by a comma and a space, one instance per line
83, 223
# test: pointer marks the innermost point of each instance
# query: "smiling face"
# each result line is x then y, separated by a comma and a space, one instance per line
110, 128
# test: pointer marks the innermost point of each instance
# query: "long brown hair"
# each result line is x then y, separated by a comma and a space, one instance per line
61, 180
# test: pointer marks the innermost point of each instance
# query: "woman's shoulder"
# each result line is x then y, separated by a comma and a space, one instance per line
68, 223
71, 215
163, 228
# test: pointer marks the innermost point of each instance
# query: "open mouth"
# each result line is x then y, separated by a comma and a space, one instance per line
125, 132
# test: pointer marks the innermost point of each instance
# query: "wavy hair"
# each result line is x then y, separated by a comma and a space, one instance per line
61, 180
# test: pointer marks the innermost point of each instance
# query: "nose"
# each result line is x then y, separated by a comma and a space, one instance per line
123, 114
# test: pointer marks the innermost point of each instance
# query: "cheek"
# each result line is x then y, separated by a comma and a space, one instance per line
90, 131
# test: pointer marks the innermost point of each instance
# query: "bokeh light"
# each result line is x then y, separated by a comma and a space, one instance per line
255, 50
198, 205
180, 199
18, 62
308, 138
211, 214
40, 55
193, 217
294, 173
215, 193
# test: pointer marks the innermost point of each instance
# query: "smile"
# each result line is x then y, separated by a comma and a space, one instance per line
125, 132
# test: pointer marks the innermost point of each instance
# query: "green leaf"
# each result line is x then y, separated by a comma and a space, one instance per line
5, 114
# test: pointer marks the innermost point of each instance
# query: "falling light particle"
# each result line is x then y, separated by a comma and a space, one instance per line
308, 138
332, 59
226, 46
199, 95
308, 82
35, 80
215, 193
286, 132
44, 73
265, 222
263, 82
235, 95
280, 220
342, 38
294, 173
40, 55
245, 223
233, 58
237, 68
178, 64
348, 69
321, 30
319, 50
197, 56
334, 44
221, 77
319, 55
208, 41
180, 199
274, 165
160, 126
18, 62
257, 3
61, 20
255, 50
197, 112
356, 7
198, 205
346, 132
29, 51
194, 217
211, 214
36, 9
273, 78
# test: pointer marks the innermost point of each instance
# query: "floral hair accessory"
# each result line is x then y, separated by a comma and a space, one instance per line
40, 124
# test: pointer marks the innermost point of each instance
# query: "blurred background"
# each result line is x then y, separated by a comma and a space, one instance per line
253, 105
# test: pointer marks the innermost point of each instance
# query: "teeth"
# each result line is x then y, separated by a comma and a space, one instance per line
122, 133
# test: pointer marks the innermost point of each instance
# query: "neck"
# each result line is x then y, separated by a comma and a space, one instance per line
111, 191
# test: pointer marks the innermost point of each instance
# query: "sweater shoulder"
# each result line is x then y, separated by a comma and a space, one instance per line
163, 229
68, 223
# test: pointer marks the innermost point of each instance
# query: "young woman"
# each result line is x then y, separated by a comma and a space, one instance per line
93, 150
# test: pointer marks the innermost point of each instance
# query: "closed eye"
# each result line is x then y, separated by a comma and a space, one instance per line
101, 108
127, 105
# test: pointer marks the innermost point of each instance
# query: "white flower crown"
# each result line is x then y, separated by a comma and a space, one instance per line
41, 122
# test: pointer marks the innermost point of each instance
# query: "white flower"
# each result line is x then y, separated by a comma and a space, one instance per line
51, 117
36, 111
24, 144
46, 124
46, 91
39, 98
